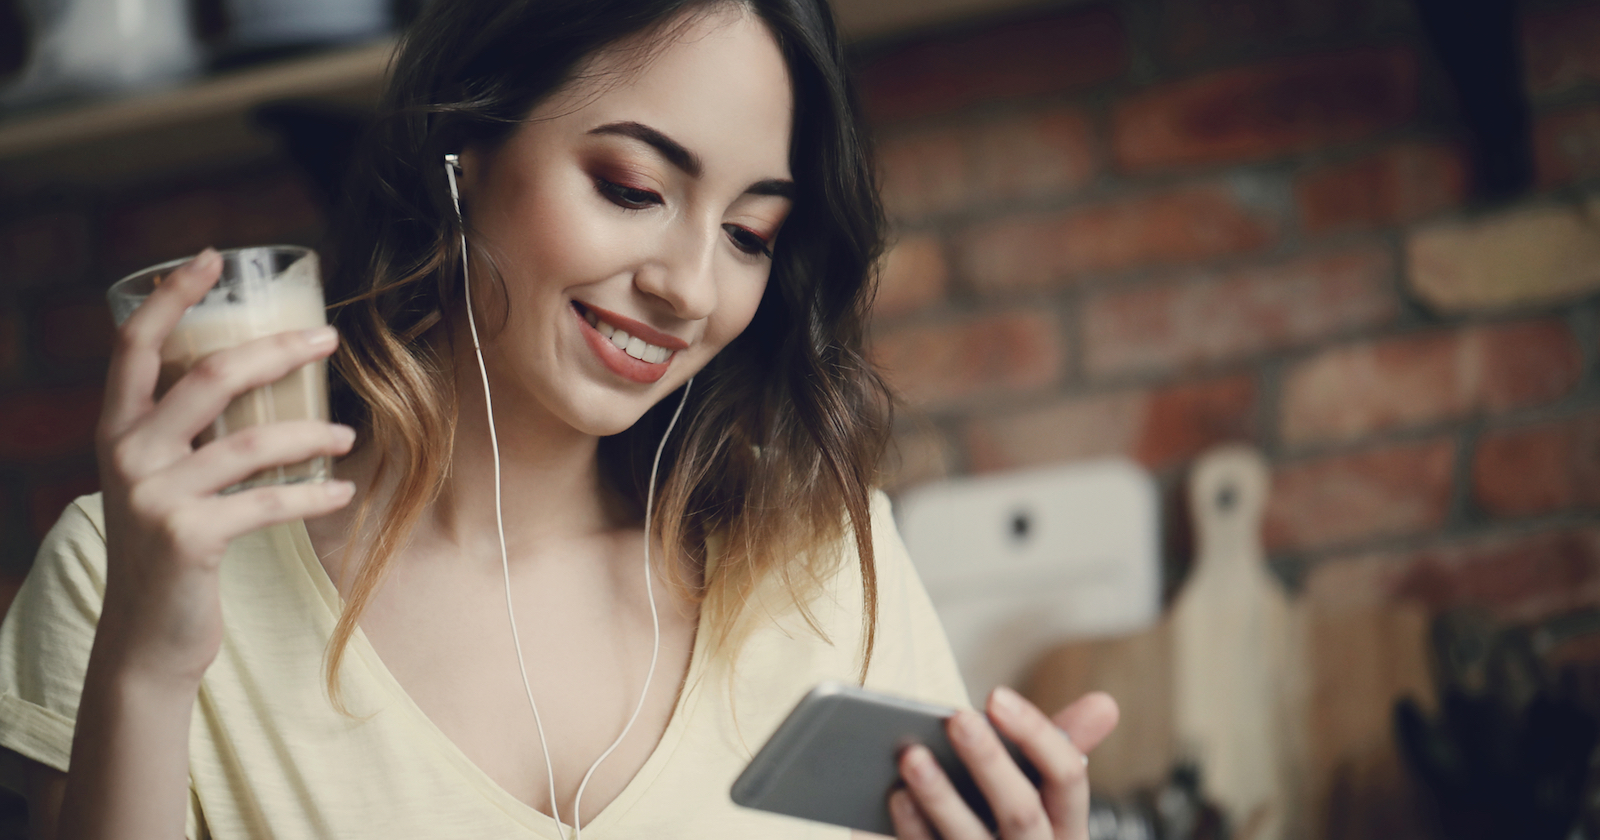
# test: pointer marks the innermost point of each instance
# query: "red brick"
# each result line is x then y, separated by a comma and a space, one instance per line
1397, 185
914, 275
1516, 577
1158, 427
1202, 320
74, 329
1541, 468
1167, 228
1561, 48
46, 500
1350, 392
257, 211
1566, 145
1021, 58
1195, 27
1266, 111
49, 248
938, 364
47, 423
1338, 499
1018, 156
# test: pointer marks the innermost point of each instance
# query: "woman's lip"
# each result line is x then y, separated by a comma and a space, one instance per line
615, 360
632, 327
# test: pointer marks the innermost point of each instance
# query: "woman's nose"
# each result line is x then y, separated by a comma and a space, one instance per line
683, 276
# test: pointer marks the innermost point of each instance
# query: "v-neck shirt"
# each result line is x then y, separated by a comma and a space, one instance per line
270, 756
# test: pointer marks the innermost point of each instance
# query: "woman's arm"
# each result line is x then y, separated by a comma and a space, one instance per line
167, 528
130, 758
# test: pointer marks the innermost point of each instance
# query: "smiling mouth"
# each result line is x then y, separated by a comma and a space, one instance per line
632, 345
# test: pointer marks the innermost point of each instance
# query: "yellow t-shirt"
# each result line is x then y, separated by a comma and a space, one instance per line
270, 757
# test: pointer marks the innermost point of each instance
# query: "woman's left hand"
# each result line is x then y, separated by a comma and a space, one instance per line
929, 807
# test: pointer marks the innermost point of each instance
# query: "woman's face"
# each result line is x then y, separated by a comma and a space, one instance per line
644, 205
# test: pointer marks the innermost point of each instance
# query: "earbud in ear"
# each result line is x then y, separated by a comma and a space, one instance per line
453, 161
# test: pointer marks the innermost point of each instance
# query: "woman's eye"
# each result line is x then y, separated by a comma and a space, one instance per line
625, 196
747, 241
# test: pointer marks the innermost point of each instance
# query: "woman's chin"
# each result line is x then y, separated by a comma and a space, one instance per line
612, 418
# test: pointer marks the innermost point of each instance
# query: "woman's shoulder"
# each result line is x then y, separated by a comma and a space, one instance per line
75, 545
83, 517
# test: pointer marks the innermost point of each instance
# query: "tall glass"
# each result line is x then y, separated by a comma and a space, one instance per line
263, 290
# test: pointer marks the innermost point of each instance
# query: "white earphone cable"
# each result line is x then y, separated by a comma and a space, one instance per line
499, 518
505, 564
655, 619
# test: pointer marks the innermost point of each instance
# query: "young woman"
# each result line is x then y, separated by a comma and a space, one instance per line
669, 223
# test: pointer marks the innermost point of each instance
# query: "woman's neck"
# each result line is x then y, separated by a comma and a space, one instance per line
550, 483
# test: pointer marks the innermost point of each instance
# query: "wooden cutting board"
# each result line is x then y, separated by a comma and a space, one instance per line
1219, 680
1239, 685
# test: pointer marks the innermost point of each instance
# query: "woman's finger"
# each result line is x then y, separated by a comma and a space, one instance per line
136, 357
248, 510
195, 401
1063, 770
1089, 719
937, 799
237, 456
908, 821
1018, 811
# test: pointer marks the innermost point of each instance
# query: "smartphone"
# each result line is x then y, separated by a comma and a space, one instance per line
835, 759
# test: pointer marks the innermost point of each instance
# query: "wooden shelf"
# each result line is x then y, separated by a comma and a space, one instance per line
206, 125
202, 125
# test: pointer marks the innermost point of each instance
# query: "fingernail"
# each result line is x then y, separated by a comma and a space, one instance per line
209, 258
339, 489
921, 762
346, 434
1007, 702
320, 337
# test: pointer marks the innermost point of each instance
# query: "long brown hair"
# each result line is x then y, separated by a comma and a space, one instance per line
783, 430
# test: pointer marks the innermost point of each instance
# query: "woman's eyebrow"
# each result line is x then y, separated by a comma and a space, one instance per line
681, 157
773, 186
669, 148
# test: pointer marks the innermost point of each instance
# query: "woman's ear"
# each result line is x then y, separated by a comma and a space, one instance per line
468, 172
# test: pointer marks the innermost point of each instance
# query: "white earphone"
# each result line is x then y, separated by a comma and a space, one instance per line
451, 166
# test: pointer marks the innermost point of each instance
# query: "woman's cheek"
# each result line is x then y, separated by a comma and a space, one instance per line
740, 310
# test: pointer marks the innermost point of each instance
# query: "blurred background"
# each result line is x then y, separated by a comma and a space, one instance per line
1359, 237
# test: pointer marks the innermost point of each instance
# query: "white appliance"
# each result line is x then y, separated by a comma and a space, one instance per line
92, 47
1018, 562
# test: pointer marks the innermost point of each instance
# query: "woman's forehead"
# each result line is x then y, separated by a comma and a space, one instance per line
717, 83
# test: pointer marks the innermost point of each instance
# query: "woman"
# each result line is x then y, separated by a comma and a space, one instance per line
648, 192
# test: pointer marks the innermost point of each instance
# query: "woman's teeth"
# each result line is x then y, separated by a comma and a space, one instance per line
630, 344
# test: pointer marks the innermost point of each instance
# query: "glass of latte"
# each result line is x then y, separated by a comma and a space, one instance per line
263, 290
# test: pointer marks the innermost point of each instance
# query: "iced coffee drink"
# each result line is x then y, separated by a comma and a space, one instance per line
262, 291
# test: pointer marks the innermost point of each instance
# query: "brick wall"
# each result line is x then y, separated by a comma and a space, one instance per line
1145, 228
1190, 222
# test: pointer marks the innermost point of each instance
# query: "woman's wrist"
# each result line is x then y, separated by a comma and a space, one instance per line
119, 662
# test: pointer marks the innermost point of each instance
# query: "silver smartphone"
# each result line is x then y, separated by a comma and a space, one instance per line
835, 759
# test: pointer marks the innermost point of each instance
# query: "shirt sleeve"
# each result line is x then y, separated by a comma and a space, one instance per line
911, 656
45, 642
44, 648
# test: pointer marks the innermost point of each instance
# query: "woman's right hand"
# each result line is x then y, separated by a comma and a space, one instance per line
167, 527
